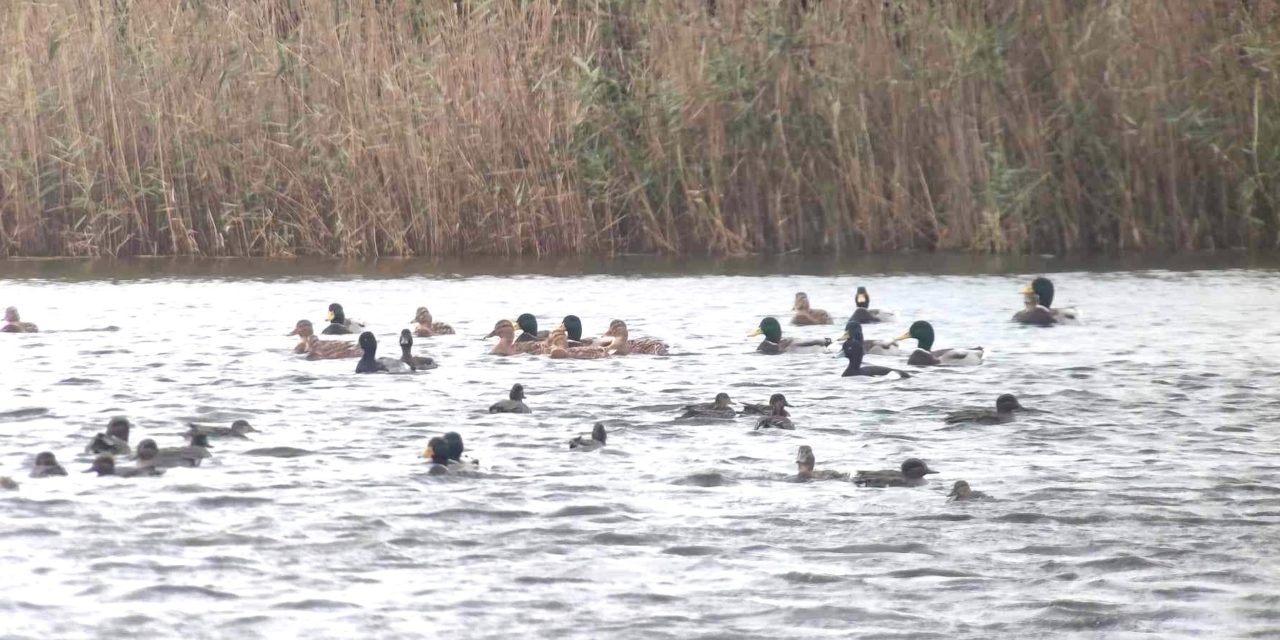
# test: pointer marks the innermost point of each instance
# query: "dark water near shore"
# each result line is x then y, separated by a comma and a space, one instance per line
1145, 502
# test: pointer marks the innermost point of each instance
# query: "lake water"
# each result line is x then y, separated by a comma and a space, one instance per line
1144, 502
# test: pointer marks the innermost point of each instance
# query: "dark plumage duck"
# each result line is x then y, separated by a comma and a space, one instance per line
505, 330
529, 329
590, 442
573, 330
425, 326
1033, 313
862, 311
238, 429
778, 417
852, 348
912, 474
455, 448
13, 323
1043, 288
805, 463
371, 363
766, 408
514, 402
774, 343
437, 452
618, 338
718, 410
339, 323
149, 454
926, 355
961, 491
105, 465
807, 315
46, 465
317, 349
115, 441
1006, 405
416, 363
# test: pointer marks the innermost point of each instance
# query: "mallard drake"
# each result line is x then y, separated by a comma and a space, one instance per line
774, 343
149, 454
317, 349
529, 329
766, 408
339, 323
778, 417
105, 465
961, 491
590, 442
925, 354
912, 474
718, 410
806, 315
862, 311
424, 327
573, 328
514, 402
619, 339
416, 363
1033, 313
1043, 288
453, 442
437, 452
852, 349
46, 465
805, 463
114, 441
371, 363
557, 347
238, 429
1006, 405
505, 330
13, 323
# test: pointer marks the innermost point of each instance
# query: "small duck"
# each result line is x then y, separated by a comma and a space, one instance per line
317, 349
453, 442
13, 323
718, 410
863, 313
1033, 313
416, 363
750, 409
573, 328
505, 330
529, 329
774, 343
961, 491
852, 349
151, 455
805, 463
926, 355
339, 323
115, 441
1006, 405
778, 418
437, 452
1043, 288
371, 363
46, 465
238, 429
424, 327
590, 442
557, 347
806, 315
619, 339
514, 402
912, 474
8, 484
105, 465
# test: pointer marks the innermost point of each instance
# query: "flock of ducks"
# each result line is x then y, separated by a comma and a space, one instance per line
566, 341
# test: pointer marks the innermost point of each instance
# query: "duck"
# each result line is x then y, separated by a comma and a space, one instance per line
806, 315
317, 349
1006, 405
529, 329
370, 363
573, 329
339, 323
424, 327
505, 330
114, 441
912, 474
719, 409
805, 463
590, 442
750, 409
46, 465
557, 348
105, 465
862, 311
437, 452
852, 349
925, 355
960, 491
1043, 288
1033, 313
416, 363
238, 429
455, 448
619, 339
8, 484
13, 323
774, 343
149, 454
778, 417
514, 402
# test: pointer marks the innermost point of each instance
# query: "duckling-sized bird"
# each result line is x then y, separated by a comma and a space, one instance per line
573, 329
149, 454
852, 348
514, 402
590, 442
619, 339
557, 347
105, 465
339, 323
8, 484
806, 315
455, 448
774, 343
437, 452
238, 429
863, 312
778, 417
1033, 313
505, 330
718, 410
416, 363
805, 463
751, 409
424, 327
1043, 288
926, 355
912, 474
46, 465
1006, 405
529, 329
371, 363
115, 441
317, 349
13, 323
961, 491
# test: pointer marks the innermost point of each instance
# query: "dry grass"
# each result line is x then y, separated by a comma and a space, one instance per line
401, 127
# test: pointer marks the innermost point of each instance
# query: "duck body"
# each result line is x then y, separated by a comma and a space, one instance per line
765, 409
456, 458
911, 474
105, 465
774, 343
425, 326
1043, 288
371, 363
590, 442
115, 441
46, 466
13, 323
807, 315
339, 323
864, 314
1033, 313
557, 347
962, 492
514, 402
619, 339
776, 421
925, 355
528, 325
317, 349
1006, 406
718, 410
573, 330
805, 463
150, 455
238, 429
852, 350
416, 363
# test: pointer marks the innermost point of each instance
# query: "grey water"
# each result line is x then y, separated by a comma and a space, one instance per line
1142, 502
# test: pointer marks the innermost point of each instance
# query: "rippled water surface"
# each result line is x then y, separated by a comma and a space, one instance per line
1145, 502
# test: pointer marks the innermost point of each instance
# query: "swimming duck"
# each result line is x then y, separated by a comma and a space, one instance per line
149, 454
1043, 288
370, 363
105, 465
573, 329
437, 452
505, 330
46, 465
238, 429
719, 410
766, 408
1033, 313
805, 315
925, 354
13, 323
514, 402
866, 315
557, 348
805, 463
424, 327
417, 363
911, 475
1006, 405
774, 343
961, 491
590, 442
339, 323
778, 417
529, 329
618, 338
317, 349
8, 484
116, 439
852, 348
454, 446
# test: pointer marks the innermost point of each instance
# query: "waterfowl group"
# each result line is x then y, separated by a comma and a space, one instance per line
371, 363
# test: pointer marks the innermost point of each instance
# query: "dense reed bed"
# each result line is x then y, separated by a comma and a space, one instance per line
420, 127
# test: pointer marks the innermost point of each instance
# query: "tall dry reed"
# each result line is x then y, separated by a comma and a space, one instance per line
418, 127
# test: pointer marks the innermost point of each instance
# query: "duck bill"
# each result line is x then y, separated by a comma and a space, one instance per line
292, 333
928, 471
844, 336
329, 316
905, 336
428, 453
1027, 289
755, 332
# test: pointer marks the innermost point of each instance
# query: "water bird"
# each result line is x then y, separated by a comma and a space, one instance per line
455, 449
505, 330
150, 454
557, 347
573, 330
925, 355
425, 327
806, 315
46, 465
852, 348
1006, 405
416, 363
437, 452
720, 409
912, 474
766, 408
805, 463
114, 441
591, 442
238, 429
105, 465
514, 402
863, 313
8, 484
961, 491
778, 417
13, 323
529, 329
339, 323
618, 338
1033, 313
1043, 288
317, 349
371, 363
774, 343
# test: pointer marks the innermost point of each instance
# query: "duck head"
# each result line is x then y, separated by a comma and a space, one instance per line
862, 299
598, 433
1042, 287
573, 327
103, 465
336, 314
242, 427
46, 459
503, 329
801, 303
915, 468
303, 329
119, 427
148, 450
11, 315
517, 392
922, 332
852, 346
453, 445
852, 331
722, 400
406, 340
437, 450
771, 329
960, 491
805, 461
369, 344
422, 316
1007, 403
528, 324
